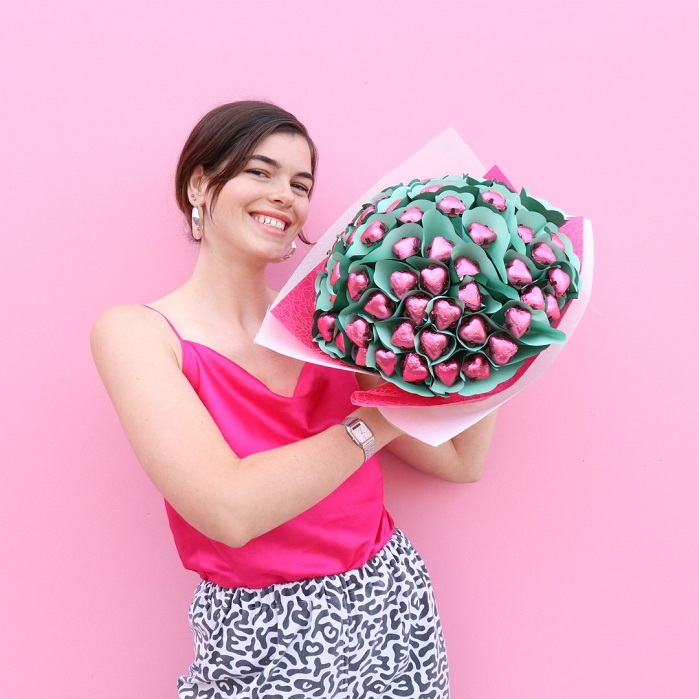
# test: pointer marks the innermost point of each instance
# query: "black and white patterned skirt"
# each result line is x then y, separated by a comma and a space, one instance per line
368, 633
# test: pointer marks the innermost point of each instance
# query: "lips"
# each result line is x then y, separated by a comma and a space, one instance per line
275, 220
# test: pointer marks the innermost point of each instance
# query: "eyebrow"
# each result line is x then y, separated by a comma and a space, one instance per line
274, 163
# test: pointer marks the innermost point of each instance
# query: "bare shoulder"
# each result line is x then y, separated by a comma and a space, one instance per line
126, 319
130, 329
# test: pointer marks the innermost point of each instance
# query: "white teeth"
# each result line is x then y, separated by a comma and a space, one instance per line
268, 220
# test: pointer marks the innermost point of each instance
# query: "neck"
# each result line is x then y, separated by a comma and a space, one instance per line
230, 290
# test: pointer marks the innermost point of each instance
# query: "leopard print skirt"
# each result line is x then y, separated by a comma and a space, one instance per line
368, 633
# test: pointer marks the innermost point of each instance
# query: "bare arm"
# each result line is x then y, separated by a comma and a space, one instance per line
461, 459
229, 499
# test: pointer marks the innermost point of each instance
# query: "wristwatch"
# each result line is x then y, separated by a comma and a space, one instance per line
361, 435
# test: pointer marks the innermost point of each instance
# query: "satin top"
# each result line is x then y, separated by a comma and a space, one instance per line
340, 533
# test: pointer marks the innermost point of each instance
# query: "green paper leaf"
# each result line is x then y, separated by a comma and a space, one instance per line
547, 210
416, 187
398, 194
435, 223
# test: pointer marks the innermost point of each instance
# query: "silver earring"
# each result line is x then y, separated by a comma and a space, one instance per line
196, 222
292, 250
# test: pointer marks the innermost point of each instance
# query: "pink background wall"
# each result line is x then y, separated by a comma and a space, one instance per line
571, 570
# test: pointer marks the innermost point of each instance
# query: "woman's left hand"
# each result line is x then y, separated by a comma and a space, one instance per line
460, 459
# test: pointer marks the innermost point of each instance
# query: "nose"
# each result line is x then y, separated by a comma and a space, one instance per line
281, 192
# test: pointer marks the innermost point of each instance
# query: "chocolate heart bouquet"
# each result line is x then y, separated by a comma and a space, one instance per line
446, 286
450, 289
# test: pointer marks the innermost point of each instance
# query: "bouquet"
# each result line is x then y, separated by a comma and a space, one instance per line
446, 286
427, 284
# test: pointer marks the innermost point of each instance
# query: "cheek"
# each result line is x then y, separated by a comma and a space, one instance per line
302, 211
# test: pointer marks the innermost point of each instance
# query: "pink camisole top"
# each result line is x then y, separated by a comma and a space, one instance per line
340, 533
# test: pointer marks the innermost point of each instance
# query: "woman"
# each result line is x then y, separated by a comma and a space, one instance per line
307, 590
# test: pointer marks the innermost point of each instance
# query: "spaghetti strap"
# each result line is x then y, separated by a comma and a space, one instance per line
167, 320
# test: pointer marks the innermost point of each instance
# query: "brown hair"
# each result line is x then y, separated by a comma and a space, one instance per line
223, 141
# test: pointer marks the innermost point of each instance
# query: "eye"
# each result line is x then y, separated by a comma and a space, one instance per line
256, 172
301, 187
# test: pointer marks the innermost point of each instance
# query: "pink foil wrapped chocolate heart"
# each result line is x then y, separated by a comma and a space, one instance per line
326, 326
560, 281
517, 321
534, 297
404, 336
553, 312
518, 273
373, 233
502, 349
480, 234
379, 306
525, 233
357, 282
415, 308
434, 344
360, 357
440, 249
431, 188
556, 240
359, 332
543, 254
447, 372
402, 282
340, 341
494, 199
415, 368
470, 294
386, 361
445, 313
476, 367
411, 215
465, 267
434, 279
451, 206
364, 215
406, 247
474, 331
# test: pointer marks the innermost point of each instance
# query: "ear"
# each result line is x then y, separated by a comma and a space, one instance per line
196, 189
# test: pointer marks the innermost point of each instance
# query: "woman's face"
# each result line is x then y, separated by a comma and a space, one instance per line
263, 208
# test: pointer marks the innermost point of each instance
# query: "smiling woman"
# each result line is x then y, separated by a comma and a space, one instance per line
273, 492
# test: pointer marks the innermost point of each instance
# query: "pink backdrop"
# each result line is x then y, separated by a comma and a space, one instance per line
571, 570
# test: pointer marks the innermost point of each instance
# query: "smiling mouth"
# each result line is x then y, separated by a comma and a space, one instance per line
269, 221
